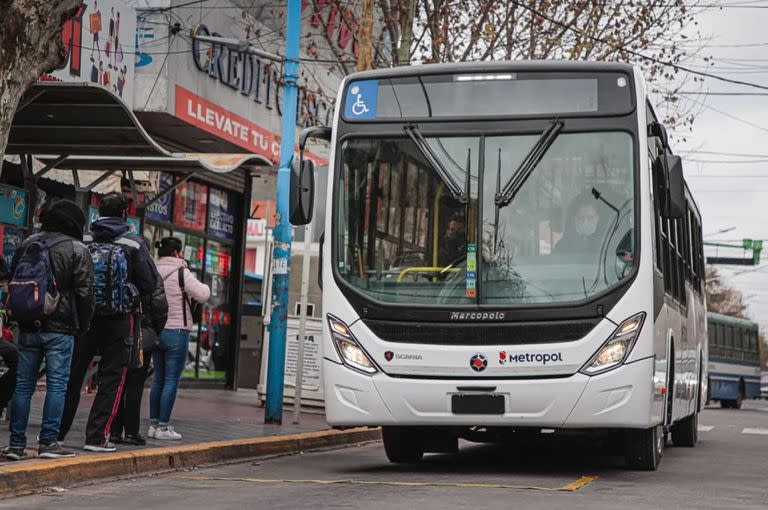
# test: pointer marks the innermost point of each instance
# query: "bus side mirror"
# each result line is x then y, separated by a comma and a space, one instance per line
675, 186
302, 192
303, 178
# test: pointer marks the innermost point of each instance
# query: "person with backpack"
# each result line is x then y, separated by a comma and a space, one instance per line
123, 270
154, 314
51, 298
185, 294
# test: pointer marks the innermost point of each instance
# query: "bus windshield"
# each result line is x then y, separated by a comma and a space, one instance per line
567, 233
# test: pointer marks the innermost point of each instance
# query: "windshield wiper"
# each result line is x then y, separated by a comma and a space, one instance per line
534, 156
413, 132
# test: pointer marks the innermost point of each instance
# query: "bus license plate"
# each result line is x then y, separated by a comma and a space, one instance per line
477, 404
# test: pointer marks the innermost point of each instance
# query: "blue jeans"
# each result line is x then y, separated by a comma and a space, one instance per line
56, 349
169, 358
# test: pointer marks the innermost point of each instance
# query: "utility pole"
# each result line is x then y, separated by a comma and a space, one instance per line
283, 232
365, 37
302, 323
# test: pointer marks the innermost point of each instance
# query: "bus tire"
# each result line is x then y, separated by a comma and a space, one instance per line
402, 445
736, 404
644, 448
685, 432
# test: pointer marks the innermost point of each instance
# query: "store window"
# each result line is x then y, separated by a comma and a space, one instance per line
190, 204
203, 219
217, 319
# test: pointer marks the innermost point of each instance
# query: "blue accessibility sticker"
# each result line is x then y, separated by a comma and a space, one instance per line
360, 102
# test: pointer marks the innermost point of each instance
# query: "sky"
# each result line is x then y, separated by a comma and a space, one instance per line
732, 190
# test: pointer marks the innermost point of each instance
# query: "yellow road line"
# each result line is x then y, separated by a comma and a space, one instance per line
571, 487
578, 484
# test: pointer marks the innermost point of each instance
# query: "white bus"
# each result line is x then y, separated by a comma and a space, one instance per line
509, 247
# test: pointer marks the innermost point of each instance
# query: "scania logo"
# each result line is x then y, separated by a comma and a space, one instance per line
478, 362
389, 355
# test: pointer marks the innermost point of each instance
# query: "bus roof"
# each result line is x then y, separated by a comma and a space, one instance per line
496, 66
734, 321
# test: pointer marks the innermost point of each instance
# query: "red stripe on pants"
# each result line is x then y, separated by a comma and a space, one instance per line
116, 404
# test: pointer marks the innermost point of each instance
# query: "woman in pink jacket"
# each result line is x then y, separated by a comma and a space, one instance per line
171, 354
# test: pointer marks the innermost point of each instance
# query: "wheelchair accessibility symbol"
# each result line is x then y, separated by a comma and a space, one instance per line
358, 107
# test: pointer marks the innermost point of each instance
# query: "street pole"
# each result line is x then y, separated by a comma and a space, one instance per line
282, 232
302, 323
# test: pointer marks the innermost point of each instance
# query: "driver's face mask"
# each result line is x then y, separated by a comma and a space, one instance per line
586, 222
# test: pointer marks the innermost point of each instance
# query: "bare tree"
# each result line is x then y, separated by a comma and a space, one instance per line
656, 34
721, 297
30, 45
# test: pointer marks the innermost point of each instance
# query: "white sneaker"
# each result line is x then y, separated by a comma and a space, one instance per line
151, 432
167, 434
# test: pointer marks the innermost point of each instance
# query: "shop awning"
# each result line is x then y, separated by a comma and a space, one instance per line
82, 126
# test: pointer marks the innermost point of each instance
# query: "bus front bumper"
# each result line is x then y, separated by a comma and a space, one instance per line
624, 397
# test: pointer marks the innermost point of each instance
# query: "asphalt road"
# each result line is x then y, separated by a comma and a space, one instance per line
728, 469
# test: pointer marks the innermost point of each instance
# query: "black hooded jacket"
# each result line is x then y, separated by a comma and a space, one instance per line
141, 268
72, 268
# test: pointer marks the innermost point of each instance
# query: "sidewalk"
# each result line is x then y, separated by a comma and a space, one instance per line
217, 426
200, 415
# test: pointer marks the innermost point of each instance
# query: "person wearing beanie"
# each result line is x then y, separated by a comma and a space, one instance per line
52, 338
112, 332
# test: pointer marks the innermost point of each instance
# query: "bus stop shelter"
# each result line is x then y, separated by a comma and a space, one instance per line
87, 131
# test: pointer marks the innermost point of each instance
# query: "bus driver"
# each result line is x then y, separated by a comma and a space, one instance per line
585, 233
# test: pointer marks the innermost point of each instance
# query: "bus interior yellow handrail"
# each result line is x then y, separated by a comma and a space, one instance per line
408, 270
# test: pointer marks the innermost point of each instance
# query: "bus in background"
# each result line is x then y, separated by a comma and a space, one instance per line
734, 360
510, 247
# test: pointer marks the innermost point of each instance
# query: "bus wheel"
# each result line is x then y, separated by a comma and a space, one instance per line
736, 404
402, 445
644, 448
685, 432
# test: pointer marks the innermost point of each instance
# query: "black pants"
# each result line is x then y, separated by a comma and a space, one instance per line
129, 412
111, 376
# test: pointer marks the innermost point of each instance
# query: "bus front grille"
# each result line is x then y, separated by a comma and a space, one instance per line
511, 333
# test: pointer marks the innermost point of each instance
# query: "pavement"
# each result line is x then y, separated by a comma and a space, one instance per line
200, 415
726, 470
217, 426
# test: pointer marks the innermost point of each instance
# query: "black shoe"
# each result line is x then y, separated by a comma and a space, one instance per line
53, 451
106, 446
115, 438
136, 440
13, 453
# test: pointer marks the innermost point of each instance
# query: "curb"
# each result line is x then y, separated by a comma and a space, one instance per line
29, 476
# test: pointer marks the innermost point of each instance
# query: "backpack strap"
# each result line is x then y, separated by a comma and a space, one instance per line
55, 239
125, 241
184, 299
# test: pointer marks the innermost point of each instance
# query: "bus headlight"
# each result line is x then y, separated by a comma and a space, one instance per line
617, 348
349, 350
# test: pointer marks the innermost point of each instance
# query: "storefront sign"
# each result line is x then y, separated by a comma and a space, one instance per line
190, 202
255, 77
231, 127
100, 40
161, 209
13, 205
221, 214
